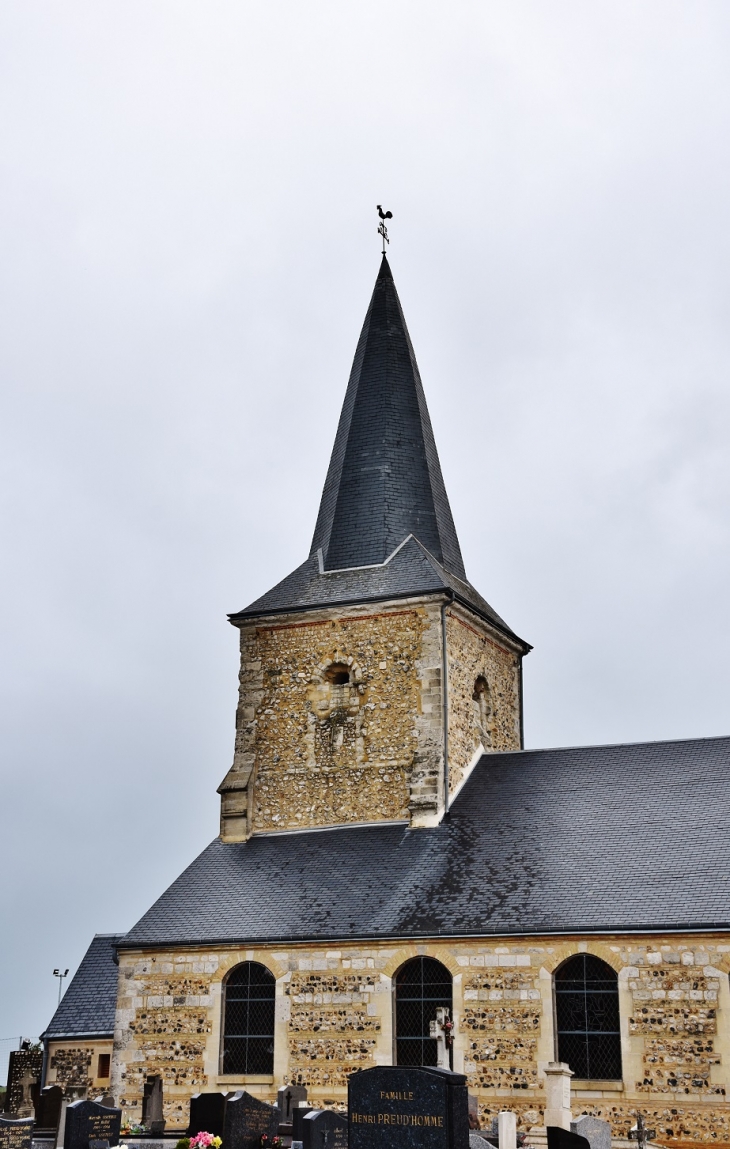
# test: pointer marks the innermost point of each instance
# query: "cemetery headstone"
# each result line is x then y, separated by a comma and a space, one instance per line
596, 1132
288, 1098
298, 1115
87, 1121
324, 1129
152, 1117
105, 1099
95, 1144
473, 1103
15, 1134
398, 1107
24, 1071
247, 1120
559, 1138
48, 1110
207, 1114
507, 1129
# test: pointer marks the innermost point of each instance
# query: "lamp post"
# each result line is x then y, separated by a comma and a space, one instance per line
57, 973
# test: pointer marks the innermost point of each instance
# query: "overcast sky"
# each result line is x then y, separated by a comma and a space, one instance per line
189, 245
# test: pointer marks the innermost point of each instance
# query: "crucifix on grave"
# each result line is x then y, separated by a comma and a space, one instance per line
442, 1029
640, 1134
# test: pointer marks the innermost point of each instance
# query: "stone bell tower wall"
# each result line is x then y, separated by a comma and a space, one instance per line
313, 752
484, 692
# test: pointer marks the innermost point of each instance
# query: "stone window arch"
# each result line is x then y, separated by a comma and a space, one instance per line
482, 702
248, 1020
420, 987
587, 1018
337, 674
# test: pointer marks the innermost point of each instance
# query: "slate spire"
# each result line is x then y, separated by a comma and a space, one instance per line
384, 480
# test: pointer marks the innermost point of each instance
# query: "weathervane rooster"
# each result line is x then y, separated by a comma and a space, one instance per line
382, 229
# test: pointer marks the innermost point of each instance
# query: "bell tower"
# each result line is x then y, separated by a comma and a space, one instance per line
375, 676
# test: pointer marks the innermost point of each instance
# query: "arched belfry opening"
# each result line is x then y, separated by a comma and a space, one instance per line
420, 987
587, 1018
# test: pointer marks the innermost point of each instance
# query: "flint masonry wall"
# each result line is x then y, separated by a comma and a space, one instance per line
75, 1064
475, 723
310, 752
334, 1015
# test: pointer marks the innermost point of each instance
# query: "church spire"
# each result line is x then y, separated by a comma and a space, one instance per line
384, 481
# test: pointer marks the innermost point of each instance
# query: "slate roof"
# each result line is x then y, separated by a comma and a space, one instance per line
411, 570
384, 487
588, 839
88, 1006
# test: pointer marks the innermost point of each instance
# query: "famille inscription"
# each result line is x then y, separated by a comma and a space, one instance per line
424, 1120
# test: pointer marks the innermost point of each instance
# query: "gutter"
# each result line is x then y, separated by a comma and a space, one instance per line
436, 935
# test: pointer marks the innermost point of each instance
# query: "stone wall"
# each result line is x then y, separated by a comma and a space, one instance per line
491, 720
315, 752
340, 716
334, 1014
74, 1065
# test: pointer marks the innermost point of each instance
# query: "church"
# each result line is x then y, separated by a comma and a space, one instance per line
388, 847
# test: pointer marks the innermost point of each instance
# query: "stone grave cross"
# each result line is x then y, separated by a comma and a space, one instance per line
442, 1029
640, 1134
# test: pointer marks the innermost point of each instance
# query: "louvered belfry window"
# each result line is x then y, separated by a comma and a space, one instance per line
248, 1031
586, 1000
421, 986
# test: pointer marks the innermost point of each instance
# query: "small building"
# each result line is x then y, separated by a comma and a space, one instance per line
77, 1045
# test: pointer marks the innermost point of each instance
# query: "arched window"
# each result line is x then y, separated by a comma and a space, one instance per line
337, 674
586, 1000
421, 986
248, 1025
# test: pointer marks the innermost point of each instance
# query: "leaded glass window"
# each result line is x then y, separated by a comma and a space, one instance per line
248, 1029
421, 986
586, 1000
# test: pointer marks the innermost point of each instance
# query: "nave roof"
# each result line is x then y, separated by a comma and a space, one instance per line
587, 839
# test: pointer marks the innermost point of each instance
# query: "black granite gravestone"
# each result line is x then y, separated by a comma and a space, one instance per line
207, 1114
16, 1134
558, 1138
48, 1110
324, 1129
397, 1107
247, 1120
297, 1120
288, 1098
86, 1121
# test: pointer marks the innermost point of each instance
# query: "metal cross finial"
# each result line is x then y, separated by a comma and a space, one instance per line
382, 229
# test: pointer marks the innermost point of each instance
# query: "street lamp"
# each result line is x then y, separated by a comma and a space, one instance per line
57, 973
